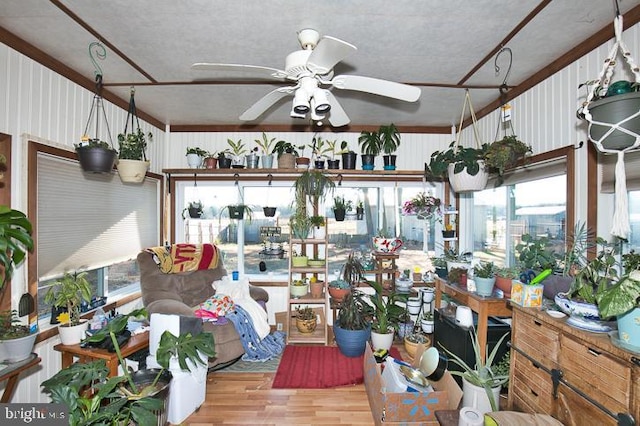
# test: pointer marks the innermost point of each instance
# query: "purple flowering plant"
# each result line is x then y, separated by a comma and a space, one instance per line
424, 206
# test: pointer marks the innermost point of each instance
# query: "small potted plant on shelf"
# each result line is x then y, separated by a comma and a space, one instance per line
299, 288
352, 328
16, 339
340, 207
479, 382
224, 159
334, 149
371, 147
287, 153
237, 150
427, 322
319, 149
390, 141
132, 162
195, 157
306, 319
504, 278
68, 293
211, 160
267, 150
338, 289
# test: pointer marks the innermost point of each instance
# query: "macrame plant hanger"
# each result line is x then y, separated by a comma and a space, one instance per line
620, 226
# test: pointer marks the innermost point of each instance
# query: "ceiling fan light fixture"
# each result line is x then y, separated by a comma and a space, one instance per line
320, 102
300, 102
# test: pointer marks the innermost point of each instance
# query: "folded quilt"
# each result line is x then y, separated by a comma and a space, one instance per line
176, 258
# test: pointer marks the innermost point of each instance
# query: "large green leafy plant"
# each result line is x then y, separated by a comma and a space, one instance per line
133, 146
15, 240
387, 312
69, 292
463, 158
354, 312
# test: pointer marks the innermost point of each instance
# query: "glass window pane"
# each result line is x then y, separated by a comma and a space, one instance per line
634, 220
490, 230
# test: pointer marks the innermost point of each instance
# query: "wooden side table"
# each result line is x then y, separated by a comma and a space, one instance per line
483, 306
69, 352
12, 375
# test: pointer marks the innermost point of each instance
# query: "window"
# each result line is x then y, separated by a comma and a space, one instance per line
245, 244
535, 201
90, 223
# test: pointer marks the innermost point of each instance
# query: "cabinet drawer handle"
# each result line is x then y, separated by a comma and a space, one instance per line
593, 352
536, 322
534, 393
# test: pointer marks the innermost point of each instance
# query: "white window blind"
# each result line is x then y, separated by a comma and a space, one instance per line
91, 221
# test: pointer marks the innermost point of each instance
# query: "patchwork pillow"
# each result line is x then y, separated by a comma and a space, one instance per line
219, 305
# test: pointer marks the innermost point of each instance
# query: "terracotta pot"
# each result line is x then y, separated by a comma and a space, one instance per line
317, 289
338, 294
504, 284
412, 348
306, 326
210, 162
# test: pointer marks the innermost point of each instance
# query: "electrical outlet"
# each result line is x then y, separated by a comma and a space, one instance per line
279, 326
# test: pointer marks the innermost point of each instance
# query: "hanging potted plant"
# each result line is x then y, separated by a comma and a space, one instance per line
359, 210
505, 154
390, 141
193, 210
333, 162
340, 207
68, 293
132, 157
371, 147
424, 206
195, 157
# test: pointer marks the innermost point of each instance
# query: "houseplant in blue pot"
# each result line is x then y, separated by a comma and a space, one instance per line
352, 328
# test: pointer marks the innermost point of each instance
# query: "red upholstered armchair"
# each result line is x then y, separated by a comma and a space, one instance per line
181, 294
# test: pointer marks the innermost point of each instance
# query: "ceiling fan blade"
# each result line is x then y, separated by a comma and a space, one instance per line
390, 89
337, 116
264, 103
257, 70
328, 53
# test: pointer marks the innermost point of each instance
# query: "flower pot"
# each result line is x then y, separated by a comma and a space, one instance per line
405, 328
351, 343
267, 161
306, 326
333, 164
612, 110
359, 213
194, 212
412, 347
382, 341
448, 234
441, 272
476, 397
224, 162
428, 294
389, 162
337, 294
287, 161
319, 232
236, 212
132, 171
504, 284
210, 163
368, 161
96, 159
14, 350
298, 290
146, 377
318, 164
299, 261
349, 160
629, 327
252, 160
413, 305
339, 214
464, 182
72, 335
484, 286
317, 289
302, 162
427, 325
194, 161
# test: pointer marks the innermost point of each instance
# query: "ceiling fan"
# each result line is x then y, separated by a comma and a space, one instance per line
312, 71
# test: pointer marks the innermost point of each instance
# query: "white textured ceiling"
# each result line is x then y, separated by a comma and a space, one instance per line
423, 43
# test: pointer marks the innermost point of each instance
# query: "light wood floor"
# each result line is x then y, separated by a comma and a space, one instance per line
247, 399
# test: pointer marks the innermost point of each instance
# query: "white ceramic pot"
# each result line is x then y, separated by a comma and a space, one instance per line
194, 161
14, 350
381, 341
476, 397
427, 325
428, 294
484, 286
319, 232
72, 335
132, 171
413, 305
464, 182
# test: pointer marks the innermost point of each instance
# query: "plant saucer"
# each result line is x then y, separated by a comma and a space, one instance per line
556, 314
615, 339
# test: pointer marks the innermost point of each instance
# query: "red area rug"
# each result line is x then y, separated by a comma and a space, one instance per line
318, 367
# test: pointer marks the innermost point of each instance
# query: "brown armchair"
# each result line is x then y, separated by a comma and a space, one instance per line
181, 294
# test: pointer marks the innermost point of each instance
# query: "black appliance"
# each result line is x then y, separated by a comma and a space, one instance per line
457, 339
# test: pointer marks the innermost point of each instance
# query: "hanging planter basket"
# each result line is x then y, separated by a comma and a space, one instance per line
614, 123
132, 171
95, 159
236, 212
465, 182
269, 211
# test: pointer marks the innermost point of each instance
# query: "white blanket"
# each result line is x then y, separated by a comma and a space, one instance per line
238, 291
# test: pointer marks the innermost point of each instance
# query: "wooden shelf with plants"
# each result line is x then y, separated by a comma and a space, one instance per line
315, 250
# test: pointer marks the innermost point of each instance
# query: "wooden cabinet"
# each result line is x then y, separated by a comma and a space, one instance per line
595, 380
313, 248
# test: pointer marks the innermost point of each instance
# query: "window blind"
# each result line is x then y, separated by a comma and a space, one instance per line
90, 221
531, 172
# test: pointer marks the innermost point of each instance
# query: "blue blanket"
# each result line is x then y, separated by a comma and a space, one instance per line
256, 350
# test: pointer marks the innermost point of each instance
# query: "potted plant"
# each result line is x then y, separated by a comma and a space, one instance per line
224, 159
319, 150
132, 162
387, 314
195, 156
349, 158
338, 289
316, 287
622, 300
16, 339
318, 227
427, 322
333, 162
353, 271
412, 341
95, 156
193, 210
359, 210
371, 147
314, 186
390, 141
505, 154
504, 277
424, 206
302, 162
306, 319
210, 160
237, 149
267, 150
287, 154
93, 397
299, 288
352, 327
69, 292
464, 166
440, 266
237, 211
480, 382
484, 275
340, 207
